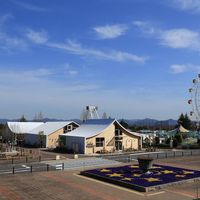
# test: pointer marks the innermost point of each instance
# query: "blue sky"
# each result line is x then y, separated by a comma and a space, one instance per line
132, 58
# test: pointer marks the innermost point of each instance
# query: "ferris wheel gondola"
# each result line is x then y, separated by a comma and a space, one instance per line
195, 99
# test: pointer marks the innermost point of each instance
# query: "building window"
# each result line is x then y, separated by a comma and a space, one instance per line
100, 142
68, 128
118, 132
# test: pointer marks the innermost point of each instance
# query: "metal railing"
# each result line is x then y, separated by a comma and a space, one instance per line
15, 169
156, 155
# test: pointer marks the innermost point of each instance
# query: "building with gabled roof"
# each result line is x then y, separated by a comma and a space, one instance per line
100, 135
22, 127
40, 133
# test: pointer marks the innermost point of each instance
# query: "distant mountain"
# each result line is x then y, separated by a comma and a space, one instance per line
151, 122
4, 121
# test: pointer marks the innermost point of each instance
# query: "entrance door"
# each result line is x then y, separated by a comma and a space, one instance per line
75, 147
118, 145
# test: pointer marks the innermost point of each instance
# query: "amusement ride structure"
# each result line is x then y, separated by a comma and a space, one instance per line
195, 99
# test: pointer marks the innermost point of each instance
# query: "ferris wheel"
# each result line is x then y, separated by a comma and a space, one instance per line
195, 99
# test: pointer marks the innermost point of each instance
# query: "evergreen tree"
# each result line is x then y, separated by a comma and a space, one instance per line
38, 117
185, 121
179, 138
22, 119
124, 123
104, 116
181, 119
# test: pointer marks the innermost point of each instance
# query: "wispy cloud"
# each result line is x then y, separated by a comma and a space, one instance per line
73, 72
110, 31
43, 76
192, 5
174, 38
70, 70
28, 6
146, 27
38, 37
4, 18
25, 75
76, 48
10, 43
182, 68
180, 38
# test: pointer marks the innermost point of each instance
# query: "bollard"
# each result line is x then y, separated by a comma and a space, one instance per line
174, 154
31, 169
26, 159
12, 160
191, 153
63, 166
13, 171
47, 167
182, 153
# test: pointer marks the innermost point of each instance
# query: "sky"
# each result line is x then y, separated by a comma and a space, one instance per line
132, 58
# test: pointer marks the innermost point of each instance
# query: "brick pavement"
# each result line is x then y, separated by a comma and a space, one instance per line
64, 185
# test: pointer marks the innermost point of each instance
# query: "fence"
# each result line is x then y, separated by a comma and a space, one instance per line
24, 159
156, 155
31, 168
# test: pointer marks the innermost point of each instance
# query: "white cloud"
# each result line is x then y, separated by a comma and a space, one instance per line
145, 27
81, 87
4, 18
38, 37
33, 78
182, 68
25, 75
118, 56
180, 38
10, 43
193, 5
29, 6
73, 72
177, 69
110, 31
174, 38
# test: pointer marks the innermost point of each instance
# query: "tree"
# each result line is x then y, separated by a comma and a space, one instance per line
124, 123
104, 116
179, 138
39, 117
22, 119
41, 138
185, 121
157, 140
181, 119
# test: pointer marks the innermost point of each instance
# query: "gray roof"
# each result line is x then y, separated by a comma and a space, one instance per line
23, 127
50, 127
94, 127
99, 121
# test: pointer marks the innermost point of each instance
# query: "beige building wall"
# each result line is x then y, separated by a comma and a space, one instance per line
129, 141
52, 139
108, 134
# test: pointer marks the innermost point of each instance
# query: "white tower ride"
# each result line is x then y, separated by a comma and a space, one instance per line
90, 112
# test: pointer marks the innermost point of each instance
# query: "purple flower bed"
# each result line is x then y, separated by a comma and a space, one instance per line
131, 175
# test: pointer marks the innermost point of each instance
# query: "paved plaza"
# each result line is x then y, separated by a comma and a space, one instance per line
68, 184
83, 163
